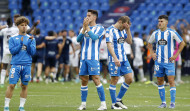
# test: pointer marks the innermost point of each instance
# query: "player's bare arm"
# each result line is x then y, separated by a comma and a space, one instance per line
181, 46
154, 56
117, 62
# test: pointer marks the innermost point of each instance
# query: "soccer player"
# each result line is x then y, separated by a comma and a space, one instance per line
22, 47
6, 33
119, 65
74, 58
164, 57
91, 36
53, 52
138, 60
39, 55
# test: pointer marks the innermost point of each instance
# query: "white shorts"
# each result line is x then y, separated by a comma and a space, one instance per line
74, 61
6, 58
137, 62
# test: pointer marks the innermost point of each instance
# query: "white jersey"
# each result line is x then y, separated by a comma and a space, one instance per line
75, 44
103, 50
7, 33
127, 48
138, 44
165, 43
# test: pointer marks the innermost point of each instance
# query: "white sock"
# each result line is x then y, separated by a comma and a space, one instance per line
178, 77
22, 102
67, 77
103, 103
141, 73
77, 76
7, 101
84, 103
3, 74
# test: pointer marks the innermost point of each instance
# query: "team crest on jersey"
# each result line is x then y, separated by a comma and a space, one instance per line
121, 40
24, 47
162, 42
86, 34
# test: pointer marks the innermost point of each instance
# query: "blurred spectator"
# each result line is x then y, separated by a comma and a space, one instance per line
3, 20
26, 8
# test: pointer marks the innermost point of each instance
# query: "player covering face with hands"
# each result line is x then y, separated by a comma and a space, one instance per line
119, 65
91, 36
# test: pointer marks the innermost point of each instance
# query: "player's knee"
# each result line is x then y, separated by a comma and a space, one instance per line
12, 86
24, 87
129, 81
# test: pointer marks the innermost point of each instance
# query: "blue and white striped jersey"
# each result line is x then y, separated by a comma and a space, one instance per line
165, 41
117, 39
90, 48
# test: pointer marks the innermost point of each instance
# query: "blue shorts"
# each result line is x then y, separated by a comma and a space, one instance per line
37, 59
50, 61
64, 60
89, 67
17, 71
125, 68
160, 69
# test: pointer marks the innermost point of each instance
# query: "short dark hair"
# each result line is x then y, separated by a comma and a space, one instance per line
37, 31
64, 31
95, 12
163, 17
50, 33
9, 22
136, 34
21, 20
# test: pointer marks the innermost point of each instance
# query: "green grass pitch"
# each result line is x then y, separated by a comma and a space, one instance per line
66, 97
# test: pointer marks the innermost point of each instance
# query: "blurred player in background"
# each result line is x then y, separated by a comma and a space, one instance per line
138, 59
53, 52
22, 47
164, 57
103, 59
39, 55
74, 54
119, 65
6, 33
91, 36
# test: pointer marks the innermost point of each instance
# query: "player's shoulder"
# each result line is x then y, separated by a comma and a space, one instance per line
156, 31
171, 30
15, 36
99, 25
110, 28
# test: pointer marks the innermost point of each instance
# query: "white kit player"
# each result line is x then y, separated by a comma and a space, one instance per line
6, 33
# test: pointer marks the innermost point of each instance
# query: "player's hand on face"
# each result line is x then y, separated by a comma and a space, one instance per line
117, 63
127, 25
21, 38
154, 56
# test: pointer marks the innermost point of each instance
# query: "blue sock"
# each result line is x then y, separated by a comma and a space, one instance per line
172, 94
122, 91
112, 89
161, 90
84, 93
101, 93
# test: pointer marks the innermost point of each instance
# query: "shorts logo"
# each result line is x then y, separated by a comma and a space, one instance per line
27, 76
156, 67
128, 68
12, 75
93, 69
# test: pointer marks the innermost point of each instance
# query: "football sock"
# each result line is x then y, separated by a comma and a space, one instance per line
84, 93
161, 90
101, 93
173, 94
22, 102
112, 89
3, 73
122, 91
